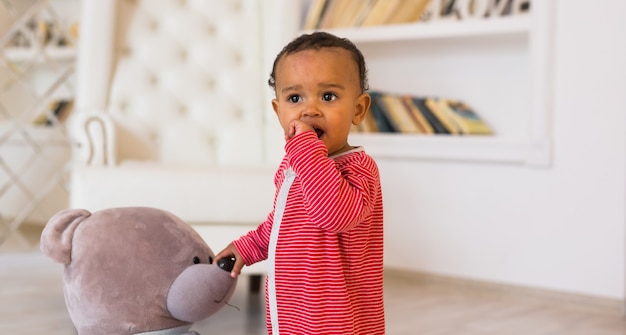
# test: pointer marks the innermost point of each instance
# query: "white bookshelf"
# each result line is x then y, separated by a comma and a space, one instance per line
501, 66
443, 147
24, 135
43, 55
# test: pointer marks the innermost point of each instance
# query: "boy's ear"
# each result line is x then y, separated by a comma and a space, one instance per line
275, 105
362, 106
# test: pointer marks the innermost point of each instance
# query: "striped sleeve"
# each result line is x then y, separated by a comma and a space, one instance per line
334, 200
253, 247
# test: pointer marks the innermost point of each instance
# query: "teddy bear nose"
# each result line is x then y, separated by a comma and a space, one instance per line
226, 263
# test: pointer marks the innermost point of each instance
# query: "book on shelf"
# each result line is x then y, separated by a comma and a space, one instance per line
417, 115
356, 18
401, 113
346, 10
467, 119
380, 12
509, 7
330, 13
382, 122
314, 13
447, 8
350, 13
397, 113
57, 112
437, 126
408, 11
442, 113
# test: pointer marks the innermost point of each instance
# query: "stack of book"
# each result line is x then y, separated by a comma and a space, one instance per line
324, 14
394, 113
329, 14
57, 112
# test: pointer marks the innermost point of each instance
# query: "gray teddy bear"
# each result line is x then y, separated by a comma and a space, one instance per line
135, 270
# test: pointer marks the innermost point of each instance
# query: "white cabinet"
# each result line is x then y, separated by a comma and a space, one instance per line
37, 56
499, 65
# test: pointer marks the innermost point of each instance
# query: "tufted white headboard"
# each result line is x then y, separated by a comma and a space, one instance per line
182, 81
172, 109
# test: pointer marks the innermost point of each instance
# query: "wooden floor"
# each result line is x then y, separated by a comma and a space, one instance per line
31, 302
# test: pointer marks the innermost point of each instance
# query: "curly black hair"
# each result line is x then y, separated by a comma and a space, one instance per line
318, 40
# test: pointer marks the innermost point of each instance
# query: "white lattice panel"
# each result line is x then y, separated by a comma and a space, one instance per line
36, 73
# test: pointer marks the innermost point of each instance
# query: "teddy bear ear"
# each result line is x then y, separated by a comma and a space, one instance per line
56, 238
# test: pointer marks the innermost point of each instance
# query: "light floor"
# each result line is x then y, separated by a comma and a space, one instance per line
31, 302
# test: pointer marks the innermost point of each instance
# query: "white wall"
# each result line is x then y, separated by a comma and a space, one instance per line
561, 227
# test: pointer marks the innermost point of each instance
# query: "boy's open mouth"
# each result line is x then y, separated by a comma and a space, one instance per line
318, 131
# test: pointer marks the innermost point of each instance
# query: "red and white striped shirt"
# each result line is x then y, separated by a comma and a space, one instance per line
328, 258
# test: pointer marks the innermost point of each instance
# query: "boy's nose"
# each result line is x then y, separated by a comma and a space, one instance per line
311, 109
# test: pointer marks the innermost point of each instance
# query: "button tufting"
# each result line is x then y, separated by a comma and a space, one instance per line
237, 58
237, 6
211, 83
210, 29
164, 44
211, 140
155, 137
123, 106
125, 51
238, 113
154, 80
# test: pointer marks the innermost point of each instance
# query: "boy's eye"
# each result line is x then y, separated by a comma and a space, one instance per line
328, 97
294, 98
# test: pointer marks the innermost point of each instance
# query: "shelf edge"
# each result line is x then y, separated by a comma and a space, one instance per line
453, 148
28, 54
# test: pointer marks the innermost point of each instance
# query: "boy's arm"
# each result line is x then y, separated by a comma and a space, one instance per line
248, 249
335, 200
253, 247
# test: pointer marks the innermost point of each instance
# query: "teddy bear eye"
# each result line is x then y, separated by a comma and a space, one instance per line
196, 259
210, 259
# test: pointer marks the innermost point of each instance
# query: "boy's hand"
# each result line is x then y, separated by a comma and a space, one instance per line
297, 127
231, 251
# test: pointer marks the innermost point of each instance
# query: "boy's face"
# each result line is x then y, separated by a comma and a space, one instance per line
319, 90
